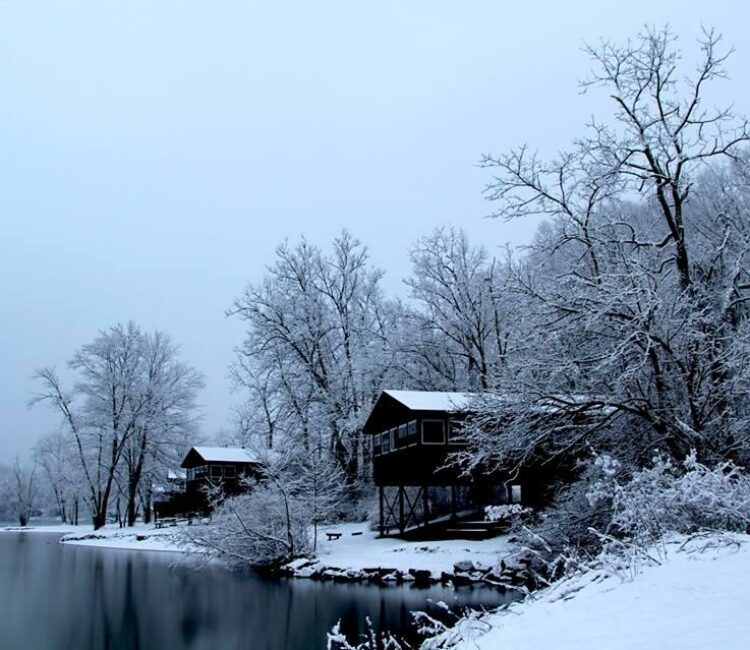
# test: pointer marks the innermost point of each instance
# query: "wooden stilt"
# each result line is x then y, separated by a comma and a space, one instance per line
382, 514
401, 523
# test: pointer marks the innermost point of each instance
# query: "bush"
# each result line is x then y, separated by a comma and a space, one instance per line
261, 528
667, 498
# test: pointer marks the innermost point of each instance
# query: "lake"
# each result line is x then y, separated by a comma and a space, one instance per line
55, 596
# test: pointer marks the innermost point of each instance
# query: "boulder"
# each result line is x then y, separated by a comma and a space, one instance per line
421, 576
446, 578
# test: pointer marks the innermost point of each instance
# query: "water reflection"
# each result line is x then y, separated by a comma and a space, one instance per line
62, 597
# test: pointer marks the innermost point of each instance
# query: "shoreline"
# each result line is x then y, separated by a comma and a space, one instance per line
357, 555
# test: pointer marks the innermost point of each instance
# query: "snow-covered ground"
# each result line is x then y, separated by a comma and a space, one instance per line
355, 552
143, 537
366, 551
694, 600
43, 528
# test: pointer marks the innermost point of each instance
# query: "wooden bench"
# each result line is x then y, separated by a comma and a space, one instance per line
169, 521
331, 536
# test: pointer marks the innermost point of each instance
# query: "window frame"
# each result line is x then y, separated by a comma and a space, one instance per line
385, 442
433, 444
377, 445
212, 472
412, 433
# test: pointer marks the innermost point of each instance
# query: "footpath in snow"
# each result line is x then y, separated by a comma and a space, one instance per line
696, 599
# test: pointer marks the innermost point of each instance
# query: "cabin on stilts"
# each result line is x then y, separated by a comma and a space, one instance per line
412, 434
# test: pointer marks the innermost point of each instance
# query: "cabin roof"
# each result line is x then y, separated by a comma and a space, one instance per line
392, 404
432, 400
223, 455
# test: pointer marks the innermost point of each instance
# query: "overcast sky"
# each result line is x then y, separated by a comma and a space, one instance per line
153, 154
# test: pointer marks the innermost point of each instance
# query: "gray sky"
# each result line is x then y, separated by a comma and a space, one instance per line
153, 154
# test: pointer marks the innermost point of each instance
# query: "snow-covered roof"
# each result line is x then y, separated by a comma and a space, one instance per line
432, 400
226, 454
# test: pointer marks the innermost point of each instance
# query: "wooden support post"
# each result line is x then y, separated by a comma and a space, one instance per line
401, 523
382, 517
425, 505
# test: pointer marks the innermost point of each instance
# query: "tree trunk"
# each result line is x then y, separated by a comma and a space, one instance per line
146, 504
132, 508
99, 519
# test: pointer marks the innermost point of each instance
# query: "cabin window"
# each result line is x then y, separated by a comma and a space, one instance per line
215, 471
386, 442
377, 448
402, 433
230, 471
190, 474
201, 471
433, 432
515, 494
456, 435
394, 439
411, 429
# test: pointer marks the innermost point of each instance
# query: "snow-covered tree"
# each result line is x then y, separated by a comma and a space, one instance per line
318, 347
268, 524
464, 324
55, 455
19, 489
166, 419
132, 396
636, 290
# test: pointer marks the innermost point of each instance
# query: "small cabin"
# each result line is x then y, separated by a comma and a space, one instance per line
219, 465
412, 434
224, 467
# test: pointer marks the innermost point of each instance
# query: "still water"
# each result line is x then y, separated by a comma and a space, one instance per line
59, 597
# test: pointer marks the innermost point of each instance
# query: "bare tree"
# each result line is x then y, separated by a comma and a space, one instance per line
637, 288
131, 391
166, 405
21, 491
55, 455
463, 309
318, 346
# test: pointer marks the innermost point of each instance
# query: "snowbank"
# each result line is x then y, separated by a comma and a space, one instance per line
43, 528
696, 599
140, 537
356, 555
359, 555
143, 537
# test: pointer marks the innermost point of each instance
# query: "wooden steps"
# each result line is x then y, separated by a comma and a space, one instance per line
468, 526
